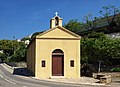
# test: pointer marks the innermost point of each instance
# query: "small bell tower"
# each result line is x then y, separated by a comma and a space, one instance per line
56, 21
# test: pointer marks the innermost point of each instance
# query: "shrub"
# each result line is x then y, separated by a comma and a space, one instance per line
115, 69
2, 57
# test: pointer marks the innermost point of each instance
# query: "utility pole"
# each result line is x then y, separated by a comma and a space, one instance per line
99, 67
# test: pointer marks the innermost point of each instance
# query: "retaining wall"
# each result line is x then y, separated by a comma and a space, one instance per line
113, 74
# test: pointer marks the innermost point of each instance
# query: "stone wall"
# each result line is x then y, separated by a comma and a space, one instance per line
16, 64
113, 74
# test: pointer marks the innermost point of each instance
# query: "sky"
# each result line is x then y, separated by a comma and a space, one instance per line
20, 18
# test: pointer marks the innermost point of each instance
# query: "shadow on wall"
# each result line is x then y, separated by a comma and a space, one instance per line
22, 72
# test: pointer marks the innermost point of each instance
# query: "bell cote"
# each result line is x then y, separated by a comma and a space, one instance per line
56, 21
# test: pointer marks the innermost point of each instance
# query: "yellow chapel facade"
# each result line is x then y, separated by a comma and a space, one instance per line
55, 52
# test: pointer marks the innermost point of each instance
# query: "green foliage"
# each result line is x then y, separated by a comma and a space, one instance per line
109, 10
97, 46
90, 21
74, 25
20, 54
110, 13
24, 39
37, 33
94, 34
110, 17
2, 57
118, 23
12, 50
115, 69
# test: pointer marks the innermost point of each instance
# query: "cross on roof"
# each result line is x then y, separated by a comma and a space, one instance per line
56, 13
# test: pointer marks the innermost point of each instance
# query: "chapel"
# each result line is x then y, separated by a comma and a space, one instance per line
55, 52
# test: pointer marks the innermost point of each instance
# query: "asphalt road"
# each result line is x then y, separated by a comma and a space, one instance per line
7, 79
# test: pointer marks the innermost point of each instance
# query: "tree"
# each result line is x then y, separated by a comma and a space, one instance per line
20, 54
12, 49
97, 46
110, 13
2, 57
37, 33
110, 18
74, 26
90, 45
90, 21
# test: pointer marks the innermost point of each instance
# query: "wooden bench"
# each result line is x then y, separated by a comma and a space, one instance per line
105, 79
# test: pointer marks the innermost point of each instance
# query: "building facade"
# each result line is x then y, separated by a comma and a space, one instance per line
55, 52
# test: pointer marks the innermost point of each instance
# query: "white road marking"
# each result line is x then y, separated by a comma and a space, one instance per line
10, 81
1, 76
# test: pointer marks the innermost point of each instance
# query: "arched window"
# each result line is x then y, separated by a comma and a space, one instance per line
57, 52
56, 21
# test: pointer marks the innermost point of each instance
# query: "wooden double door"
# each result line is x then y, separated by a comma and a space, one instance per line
57, 65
